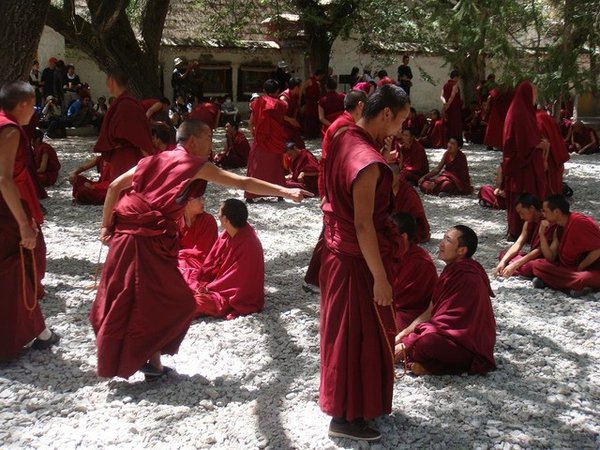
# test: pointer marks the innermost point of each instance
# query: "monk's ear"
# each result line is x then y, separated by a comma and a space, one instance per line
462, 250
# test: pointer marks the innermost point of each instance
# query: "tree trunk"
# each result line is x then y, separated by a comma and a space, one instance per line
20, 33
319, 52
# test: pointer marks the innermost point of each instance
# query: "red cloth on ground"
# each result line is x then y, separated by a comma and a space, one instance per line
312, 94
581, 235
453, 113
265, 161
453, 179
414, 279
357, 336
143, 305
436, 135
522, 162
49, 177
558, 154
414, 161
305, 162
18, 325
486, 193
231, 288
333, 107
237, 155
407, 200
124, 134
207, 112
195, 243
498, 104
96, 196
462, 312
293, 134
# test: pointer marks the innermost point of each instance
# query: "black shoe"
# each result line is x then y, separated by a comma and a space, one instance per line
358, 430
249, 200
279, 199
151, 373
41, 344
538, 283
311, 288
580, 293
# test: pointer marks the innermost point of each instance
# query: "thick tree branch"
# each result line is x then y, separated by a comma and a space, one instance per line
153, 23
106, 14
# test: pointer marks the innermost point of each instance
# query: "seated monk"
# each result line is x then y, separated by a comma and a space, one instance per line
433, 134
225, 286
416, 122
414, 159
207, 112
414, 273
161, 140
46, 160
493, 197
157, 111
86, 191
407, 200
236, 151
457, 333
583, 140
304, 169
514, 261
451, 174
331, 105
474, 124
198, 232
572, 259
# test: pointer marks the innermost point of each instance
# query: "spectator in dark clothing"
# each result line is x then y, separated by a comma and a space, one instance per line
57, 82
47, 80
405, 75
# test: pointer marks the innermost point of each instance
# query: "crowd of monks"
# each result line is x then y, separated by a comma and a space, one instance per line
382, 300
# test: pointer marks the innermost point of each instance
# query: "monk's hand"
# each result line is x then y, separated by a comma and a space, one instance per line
509, 271
399, 352
297, 195
382, 292
28, 235
544, 144
105, 235
499, 269
544, 224
72, 177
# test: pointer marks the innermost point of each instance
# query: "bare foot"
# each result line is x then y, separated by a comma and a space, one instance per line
418, 369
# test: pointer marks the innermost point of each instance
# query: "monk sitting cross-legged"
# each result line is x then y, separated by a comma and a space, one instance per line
236, 151
86, 191
226, 287
46, 160
414, 159
304, 169
452, 173
493, 196
457, 333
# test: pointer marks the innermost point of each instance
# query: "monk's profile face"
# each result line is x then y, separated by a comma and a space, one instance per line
526, 214
449, 249
549, 215
195, 206
24, 110
407, 138
203, 143
392, 123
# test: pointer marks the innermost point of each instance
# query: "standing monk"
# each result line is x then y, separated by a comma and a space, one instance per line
265, 161
452, 109
312, 93
357, 316
125, 133
556, 157
522, 154
21, 243
143, 307
291, 96
331, 105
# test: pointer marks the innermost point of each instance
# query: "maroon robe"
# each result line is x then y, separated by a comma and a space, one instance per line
414, 161
558, 154
333, 107
414, 279
583, 138
416, 124
454, 178
581, 235
233, 290
124, 134
143, 305
522, 162
95, 196
19, 325
305, 162
436, 135
407, 200
474, 126
206, 112
266, 154
49, 177
533, 238
195, 243
463, 317
453, 113
498, 104
293, 134
486, 194
312, 94
357, 336
237, 152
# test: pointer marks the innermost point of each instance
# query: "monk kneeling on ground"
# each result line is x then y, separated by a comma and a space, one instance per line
457, 333
225, 286
86, 191
304, 169
451, 174
572, 260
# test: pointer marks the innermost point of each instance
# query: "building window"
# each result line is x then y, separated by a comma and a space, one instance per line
251, 79
215, 79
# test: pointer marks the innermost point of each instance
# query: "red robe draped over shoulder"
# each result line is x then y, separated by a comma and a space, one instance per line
21, 318
498, 104
414, 279
462, 312
333, 107
436, 135
195, 243
407, 200
357, 367
453, 113
558, 154
124, 134
224, 278
143, 304
343, 121
414, 161
312, 94
49, 177
293, 133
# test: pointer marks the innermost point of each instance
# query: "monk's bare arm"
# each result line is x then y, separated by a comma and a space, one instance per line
589, 259
112, 195
212, 173
322, 118
434, 172
9, 144
363, 199
549, 250
512, 251
156, 107
512, 267
43, 164
424, 317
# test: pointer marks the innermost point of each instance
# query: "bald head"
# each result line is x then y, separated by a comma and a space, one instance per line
189, 128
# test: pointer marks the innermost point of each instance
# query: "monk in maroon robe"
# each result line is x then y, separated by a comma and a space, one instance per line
493, 196
557, 155
572, 259
86, 191
451, 174
225, 287
415, 122
407, 200
452, 110
514, 261
583, 140
265, 161
125, 133
414, 159
291, 96
522, 154
311, 91
21, 319
353, 104
46, 160
357, 317
457, 333
207, 112
474, 124
143, 306
414, 273
434, 133
331, 105
498, 102
237, 148
304, 169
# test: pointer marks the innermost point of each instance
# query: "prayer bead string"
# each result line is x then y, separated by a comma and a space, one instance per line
390, 348
28, 307
98, 267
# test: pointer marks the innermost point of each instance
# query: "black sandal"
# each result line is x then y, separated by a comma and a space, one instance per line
151, 373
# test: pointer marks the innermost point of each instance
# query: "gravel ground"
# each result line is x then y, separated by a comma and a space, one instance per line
253, 382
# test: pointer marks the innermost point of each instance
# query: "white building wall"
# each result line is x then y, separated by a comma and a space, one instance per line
51, 44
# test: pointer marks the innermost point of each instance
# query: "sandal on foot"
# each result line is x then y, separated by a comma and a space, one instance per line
41, 344
151, 373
